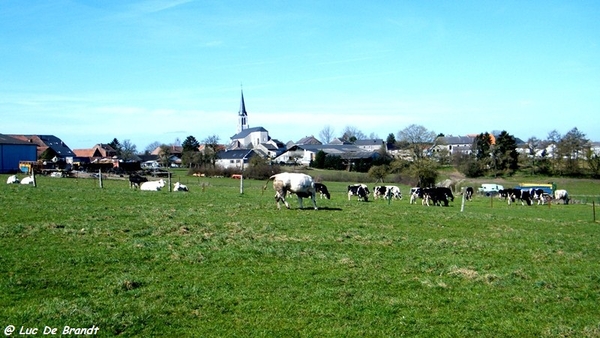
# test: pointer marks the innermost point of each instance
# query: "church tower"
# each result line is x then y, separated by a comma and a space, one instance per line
242, 116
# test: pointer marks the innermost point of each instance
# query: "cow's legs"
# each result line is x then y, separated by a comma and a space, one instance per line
300, 202
280, 197
313, 200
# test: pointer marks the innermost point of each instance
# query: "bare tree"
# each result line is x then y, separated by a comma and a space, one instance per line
128, 150
164, 154
351, 133
326, 134
211, 144
150, 148
416, 136
571, 148
533, 143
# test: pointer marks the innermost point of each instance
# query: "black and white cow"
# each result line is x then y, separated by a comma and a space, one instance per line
538, 195
180, 187
322, 190
12, 179
300, 184
359, 190
446, 191
414, 194
563, 195
469, 193
136, 180
437, 196
387, 191
523, 195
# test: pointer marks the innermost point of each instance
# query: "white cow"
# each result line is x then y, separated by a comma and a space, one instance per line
562, 194
180, 187
413, 197
300, 184
152, 185
27, 180
13, 179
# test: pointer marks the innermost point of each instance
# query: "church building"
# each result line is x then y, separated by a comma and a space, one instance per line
246, 137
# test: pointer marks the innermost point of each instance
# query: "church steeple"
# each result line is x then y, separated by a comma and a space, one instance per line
242, 115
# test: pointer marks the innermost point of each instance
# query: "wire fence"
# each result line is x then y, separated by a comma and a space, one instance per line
585, 199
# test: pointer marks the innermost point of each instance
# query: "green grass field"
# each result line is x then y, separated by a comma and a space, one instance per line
217, 263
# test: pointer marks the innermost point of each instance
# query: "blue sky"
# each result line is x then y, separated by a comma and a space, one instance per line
90, 71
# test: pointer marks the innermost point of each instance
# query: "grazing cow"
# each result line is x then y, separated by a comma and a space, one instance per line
512, 195
538, 195
562, 194
526, 197
413, 196
359, 190
446, 191
152, 185
300, 184
27, 180
436, 195
391, 191
13, 179
469, 193
322, 190
180, 187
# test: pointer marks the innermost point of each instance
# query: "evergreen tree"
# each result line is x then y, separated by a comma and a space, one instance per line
482, 146
116, 146
505, 153
190, 144
319, 161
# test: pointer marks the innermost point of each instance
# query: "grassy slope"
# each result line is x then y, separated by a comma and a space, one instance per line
213, 262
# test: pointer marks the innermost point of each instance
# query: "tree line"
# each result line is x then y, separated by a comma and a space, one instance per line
557, 155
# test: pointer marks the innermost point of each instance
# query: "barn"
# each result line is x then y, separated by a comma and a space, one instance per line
12, 151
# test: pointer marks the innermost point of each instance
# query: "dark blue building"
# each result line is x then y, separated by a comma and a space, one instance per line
12, 151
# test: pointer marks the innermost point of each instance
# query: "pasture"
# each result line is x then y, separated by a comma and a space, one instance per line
212, 262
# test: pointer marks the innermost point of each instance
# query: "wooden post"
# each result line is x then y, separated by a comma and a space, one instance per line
242, 184
491, 201
462, 206
169, 180
100, 178
33, 177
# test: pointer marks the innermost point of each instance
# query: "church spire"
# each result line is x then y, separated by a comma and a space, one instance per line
242, 115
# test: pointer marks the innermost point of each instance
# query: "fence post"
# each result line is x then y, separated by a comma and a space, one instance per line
241, 184
100, 178
33, 178
594, 210
462, 205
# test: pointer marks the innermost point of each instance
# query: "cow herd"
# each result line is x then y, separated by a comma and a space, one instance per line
13, 179
303, 186
141, 182
527, 196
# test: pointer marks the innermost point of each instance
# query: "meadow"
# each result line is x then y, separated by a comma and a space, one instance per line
214, 262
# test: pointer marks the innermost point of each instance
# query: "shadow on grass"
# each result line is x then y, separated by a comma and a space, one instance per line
320, 208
